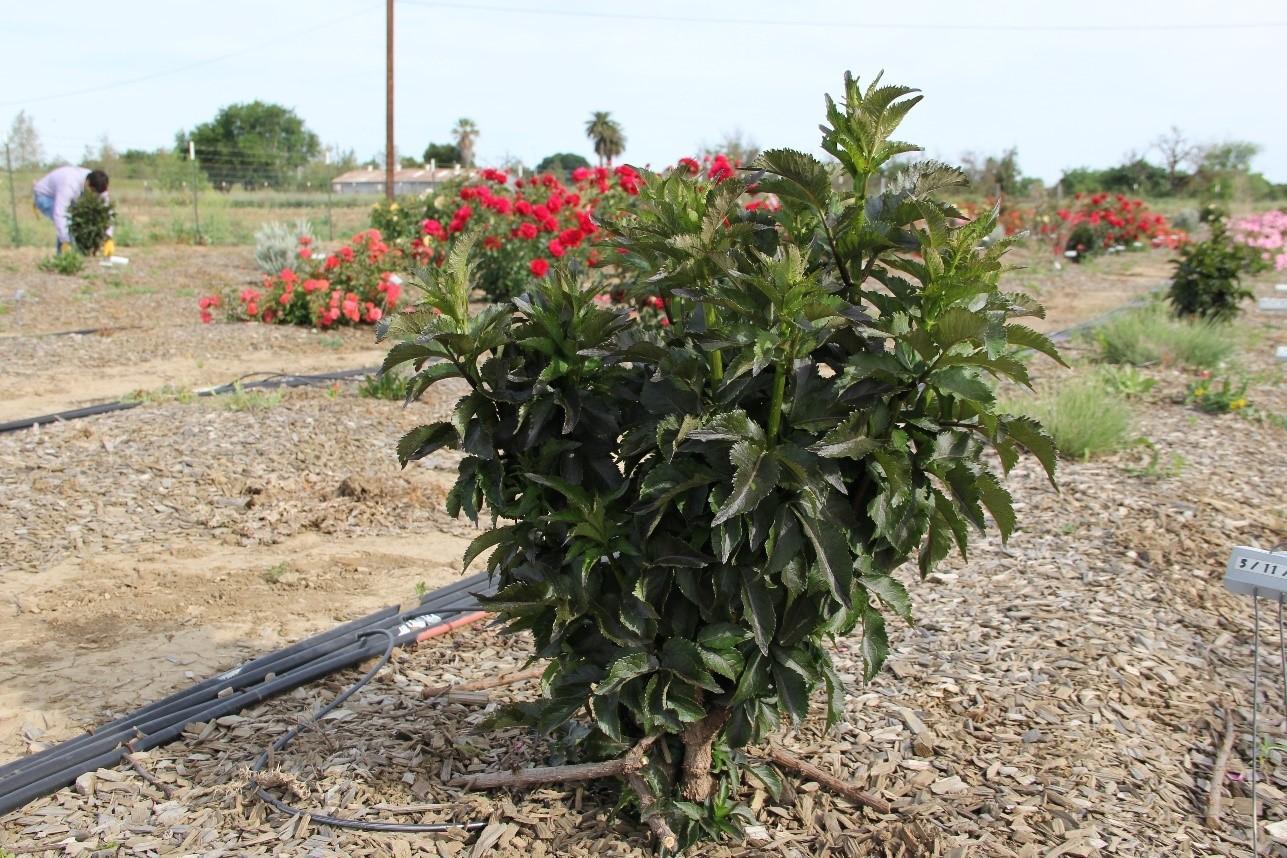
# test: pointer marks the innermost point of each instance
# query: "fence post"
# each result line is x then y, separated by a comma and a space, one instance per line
196, 215
13, 199
330, 214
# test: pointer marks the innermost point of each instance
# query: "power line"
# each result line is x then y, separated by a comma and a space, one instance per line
198, 64
845, 25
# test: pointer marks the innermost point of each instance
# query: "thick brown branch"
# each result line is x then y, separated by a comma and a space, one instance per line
482, 684
698, 739
830, 781
1214, 791
537, 775
648, 812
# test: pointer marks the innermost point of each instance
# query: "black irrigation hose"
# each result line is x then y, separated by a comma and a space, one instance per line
29, 778
341, 822
83, 332
61, 416
170, 728
237, 678
284, 379
274, 379
187, 710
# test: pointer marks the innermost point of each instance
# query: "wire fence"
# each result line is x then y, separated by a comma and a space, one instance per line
175, 203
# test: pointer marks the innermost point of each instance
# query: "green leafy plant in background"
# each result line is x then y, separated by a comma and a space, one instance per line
1154, 468
1126, 381
688, 514
277, 244
1082, 416
1150, 335
68, 263
89, 217
1211, 397
383, 385
1206, 282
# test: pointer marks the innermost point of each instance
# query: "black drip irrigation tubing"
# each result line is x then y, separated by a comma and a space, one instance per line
273, 380
29, 778
107, 330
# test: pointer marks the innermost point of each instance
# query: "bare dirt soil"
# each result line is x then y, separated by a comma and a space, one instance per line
142, 550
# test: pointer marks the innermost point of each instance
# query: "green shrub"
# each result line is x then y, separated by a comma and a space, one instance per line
1205, 283
277, 244
1126, 381
89, 217
1149, 335
1198, 344
1206, 396
694, 511
384, 385
1082, 416
68, 262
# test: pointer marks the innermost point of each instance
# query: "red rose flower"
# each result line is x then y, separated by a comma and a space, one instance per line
539, 267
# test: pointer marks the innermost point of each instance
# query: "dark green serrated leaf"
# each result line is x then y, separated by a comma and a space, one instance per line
423, 440
755, 474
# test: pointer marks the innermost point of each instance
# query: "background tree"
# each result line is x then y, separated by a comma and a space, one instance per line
609, 140
561, 162
24, 143
1232, 156
1134, 176
1176, 151
103, 156
737, 145
465, 132
442, 154
1224, 171
253, 145
996, 174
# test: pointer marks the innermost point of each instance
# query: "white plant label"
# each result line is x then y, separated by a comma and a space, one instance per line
1273, 304
1253, 569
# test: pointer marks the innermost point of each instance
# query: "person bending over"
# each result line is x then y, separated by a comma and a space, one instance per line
54, 192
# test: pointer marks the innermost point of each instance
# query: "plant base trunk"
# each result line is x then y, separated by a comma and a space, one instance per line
699, 741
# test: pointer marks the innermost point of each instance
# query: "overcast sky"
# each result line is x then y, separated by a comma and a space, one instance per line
1069, 84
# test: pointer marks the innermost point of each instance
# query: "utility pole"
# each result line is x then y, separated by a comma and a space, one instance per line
13, 200
389, 154
196, 215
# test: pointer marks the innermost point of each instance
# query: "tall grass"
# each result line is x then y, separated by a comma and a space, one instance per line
1150, 335
1084, 418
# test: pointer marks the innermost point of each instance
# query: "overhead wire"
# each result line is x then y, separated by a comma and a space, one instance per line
843, 25
275, 42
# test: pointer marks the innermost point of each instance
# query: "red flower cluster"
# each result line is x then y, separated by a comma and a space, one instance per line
1101, 221
720, 169
206, 304
353, 284
525, 223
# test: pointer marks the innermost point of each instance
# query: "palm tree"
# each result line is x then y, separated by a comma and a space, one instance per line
609, 140
465, 133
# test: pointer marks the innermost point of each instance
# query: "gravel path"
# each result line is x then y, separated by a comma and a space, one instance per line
1061, 695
